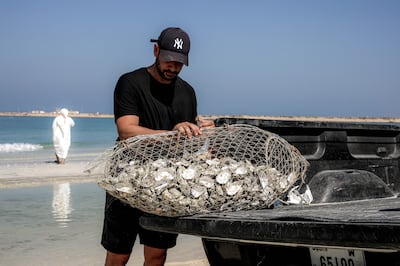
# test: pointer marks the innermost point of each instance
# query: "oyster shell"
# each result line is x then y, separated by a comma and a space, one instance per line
189, 173
241, 170
124, 188
206, 181
165, 174
197, 191
159, 163
233, 188
223, 177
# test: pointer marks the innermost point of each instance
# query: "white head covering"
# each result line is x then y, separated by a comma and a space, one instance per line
64, 112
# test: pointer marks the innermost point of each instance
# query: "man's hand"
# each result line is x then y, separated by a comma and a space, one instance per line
203, 123
188, 129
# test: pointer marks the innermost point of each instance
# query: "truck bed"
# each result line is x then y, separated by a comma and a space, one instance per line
367, 224
354, 176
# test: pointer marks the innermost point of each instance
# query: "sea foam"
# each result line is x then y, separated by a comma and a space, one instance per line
19, 147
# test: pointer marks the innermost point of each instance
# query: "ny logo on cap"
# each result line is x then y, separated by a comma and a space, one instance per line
178, 44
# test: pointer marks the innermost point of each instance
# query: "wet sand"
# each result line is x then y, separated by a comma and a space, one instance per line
38, 174
189, 250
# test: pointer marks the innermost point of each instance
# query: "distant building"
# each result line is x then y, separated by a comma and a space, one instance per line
71, 112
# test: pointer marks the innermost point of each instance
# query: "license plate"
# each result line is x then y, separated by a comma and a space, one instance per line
336, 257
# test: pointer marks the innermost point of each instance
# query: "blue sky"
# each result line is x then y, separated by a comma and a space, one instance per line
283, 57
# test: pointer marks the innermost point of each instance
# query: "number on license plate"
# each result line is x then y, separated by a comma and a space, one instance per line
336, 257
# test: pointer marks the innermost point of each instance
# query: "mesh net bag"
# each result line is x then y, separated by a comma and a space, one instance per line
229, 168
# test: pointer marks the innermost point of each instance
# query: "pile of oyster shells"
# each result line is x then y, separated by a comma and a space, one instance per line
201, 182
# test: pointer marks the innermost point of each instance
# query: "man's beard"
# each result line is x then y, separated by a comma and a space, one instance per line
162, 73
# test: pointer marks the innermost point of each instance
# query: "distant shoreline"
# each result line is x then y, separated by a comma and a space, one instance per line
263, 117
53, 114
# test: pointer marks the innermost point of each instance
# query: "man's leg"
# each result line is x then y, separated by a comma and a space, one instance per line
156, 245
154, 256
121, 223
113, 259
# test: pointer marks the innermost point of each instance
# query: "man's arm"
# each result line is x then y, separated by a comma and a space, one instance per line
128, 126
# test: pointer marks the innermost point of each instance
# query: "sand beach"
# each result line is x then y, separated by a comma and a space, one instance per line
30, 239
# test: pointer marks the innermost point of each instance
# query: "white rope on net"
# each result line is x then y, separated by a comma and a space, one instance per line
229, 168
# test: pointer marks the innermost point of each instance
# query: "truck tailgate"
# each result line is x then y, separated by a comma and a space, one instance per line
366, 224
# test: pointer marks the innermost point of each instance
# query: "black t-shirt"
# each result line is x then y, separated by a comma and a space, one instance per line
158, 106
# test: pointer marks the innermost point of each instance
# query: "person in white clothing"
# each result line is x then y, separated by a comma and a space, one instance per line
62, 135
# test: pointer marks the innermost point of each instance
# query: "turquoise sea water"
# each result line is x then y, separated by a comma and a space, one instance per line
61, 224
43, 225
30, 138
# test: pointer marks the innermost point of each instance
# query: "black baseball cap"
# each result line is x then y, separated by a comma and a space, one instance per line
174, 45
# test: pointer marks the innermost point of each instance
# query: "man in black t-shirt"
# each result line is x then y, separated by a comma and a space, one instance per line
147, 101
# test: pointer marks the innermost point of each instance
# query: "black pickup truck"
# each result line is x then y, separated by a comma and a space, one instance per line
354, 219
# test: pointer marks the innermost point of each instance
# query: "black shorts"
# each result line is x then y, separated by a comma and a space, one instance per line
121, 226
